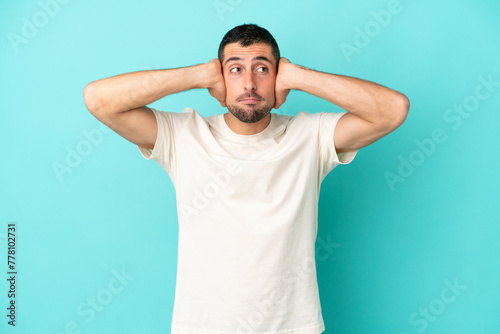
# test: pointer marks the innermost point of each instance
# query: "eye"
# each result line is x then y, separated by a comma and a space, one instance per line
234, 69
262, 69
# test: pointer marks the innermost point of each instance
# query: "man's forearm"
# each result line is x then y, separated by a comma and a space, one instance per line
368, 100
136, 89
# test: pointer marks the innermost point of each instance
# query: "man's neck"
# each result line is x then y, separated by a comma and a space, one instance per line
243, 128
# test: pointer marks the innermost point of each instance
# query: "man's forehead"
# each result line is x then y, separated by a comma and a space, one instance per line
255, 52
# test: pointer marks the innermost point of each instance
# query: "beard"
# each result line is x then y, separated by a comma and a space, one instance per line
249, 116
252, 116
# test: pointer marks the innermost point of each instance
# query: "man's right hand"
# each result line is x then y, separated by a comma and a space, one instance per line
217, 88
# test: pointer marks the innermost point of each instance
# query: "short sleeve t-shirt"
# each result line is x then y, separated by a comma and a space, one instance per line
247, 208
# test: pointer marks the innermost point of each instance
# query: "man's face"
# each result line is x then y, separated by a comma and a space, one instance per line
250, 75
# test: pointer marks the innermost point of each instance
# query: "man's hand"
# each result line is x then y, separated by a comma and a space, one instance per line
217, 87
282, 88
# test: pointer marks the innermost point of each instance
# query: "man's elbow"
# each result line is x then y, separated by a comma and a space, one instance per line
90, 99
95, 105
399, 111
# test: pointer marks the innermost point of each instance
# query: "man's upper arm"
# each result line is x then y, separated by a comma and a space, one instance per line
138, 126
352, 132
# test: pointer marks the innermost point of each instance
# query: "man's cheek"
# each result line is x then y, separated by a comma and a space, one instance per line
229, 92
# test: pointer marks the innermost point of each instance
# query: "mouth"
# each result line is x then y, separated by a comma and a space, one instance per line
250, 101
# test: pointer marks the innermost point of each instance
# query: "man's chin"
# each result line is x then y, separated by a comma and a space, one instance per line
250, 113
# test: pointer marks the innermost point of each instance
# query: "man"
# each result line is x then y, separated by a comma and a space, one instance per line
247, 182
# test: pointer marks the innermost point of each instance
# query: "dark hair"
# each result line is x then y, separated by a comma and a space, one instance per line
248, 34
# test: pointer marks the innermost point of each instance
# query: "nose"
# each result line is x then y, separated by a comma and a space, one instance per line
250, 81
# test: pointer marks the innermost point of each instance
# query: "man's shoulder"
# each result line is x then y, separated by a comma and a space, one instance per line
170, 120
186, 110
317, 116
185, 114
306, 118
302, 116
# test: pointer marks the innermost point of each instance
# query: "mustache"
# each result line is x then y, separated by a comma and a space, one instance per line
250, 96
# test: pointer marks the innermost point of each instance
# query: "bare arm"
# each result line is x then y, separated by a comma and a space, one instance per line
373, 110
120, 101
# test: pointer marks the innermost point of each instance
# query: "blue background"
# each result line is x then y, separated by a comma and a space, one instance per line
406, 220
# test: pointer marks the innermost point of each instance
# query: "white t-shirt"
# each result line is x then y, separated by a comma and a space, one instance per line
247, 209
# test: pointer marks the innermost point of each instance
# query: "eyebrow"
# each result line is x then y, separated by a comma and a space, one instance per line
255, 58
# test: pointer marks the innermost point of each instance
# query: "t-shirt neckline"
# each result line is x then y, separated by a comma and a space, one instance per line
245, 138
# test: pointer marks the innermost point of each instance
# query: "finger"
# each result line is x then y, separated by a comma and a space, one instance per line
284, 60
281, 99
278, 103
